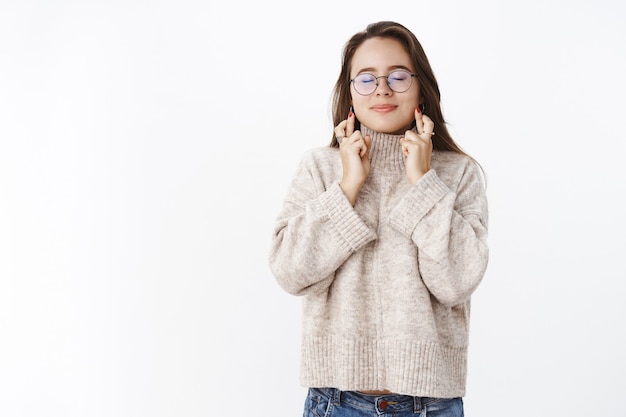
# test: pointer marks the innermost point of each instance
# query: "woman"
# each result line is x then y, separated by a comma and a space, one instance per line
384, 234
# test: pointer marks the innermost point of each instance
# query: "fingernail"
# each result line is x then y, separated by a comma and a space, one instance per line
418, 109
350, 114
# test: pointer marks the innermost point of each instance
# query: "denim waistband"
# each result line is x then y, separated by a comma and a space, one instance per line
389, 403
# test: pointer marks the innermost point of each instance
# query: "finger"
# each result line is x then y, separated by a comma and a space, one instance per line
366, 146
410, 147
341, 127
340, 130
359, 143
428, 125
354, 144
405, 149
350, 124
409, 135
419, 122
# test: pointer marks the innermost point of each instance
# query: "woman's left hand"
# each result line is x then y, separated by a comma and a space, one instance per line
418, 148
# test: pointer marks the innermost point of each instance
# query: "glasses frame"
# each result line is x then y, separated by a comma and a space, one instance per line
377, 82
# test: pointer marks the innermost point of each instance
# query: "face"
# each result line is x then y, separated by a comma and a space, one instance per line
384, 110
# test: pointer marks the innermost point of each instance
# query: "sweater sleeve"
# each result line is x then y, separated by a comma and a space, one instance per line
450, 232
315, 232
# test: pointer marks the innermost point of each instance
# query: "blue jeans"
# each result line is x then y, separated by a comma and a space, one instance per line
330, 402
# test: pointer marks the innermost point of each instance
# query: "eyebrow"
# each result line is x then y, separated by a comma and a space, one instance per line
391, 68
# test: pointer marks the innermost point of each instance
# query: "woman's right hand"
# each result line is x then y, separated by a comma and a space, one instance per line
354, 149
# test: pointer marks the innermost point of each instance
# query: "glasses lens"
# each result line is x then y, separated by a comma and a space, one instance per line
399, 81
364, 84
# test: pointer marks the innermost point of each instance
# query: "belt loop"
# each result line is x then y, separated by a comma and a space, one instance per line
417, 404
336, 397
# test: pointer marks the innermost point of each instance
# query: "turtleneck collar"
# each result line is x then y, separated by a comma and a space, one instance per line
385, 151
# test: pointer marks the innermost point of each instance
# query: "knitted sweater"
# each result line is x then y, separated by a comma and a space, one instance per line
386, 283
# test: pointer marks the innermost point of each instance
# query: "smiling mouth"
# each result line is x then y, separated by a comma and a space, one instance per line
383, 108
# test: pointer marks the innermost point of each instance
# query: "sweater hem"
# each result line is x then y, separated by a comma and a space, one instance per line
409, 367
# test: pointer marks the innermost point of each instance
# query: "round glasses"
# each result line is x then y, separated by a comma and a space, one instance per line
398, 81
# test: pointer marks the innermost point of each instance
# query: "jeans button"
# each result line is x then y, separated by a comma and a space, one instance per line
382, 405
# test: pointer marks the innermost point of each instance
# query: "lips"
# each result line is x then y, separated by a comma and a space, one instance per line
383, 108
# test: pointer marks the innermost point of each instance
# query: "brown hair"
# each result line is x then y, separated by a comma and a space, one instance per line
429, 88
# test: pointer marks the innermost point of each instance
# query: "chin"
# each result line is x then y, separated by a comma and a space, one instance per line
387, 127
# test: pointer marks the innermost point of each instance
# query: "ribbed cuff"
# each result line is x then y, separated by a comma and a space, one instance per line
417, 202
351, 227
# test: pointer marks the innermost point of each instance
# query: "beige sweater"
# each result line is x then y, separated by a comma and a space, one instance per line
386, 283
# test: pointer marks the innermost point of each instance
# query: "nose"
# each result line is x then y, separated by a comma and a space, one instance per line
382, 87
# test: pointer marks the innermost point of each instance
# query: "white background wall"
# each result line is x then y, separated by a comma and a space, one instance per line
145, 148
